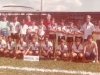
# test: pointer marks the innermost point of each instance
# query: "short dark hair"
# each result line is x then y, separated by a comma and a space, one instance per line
78, 39
90, 37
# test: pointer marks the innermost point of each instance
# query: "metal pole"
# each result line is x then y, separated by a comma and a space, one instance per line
41, 5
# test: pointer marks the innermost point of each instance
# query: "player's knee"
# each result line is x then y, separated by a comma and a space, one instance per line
36, 52
74, 55
80, 55
30, 53
58, 53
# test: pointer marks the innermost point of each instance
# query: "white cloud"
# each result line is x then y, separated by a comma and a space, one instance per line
74, 2
61, 8
57, 5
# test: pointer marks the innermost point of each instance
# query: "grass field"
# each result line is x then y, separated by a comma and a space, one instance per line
45, 64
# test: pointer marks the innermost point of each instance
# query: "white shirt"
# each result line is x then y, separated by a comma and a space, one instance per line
41, 30
33, 28
62, 49
15, 27
88, 29
97, 28
52, 27
2, 44
78, 30
70, 30
4, 24
61, 29
48, 47
22, 47
23, 29
34, 46
10, 46
79, 49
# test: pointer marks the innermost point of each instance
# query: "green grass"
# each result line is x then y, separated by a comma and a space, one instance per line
46, 64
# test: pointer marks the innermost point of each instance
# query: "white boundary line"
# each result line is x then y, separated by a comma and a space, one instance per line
49, 70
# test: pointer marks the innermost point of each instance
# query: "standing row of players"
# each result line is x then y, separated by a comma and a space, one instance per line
28, 29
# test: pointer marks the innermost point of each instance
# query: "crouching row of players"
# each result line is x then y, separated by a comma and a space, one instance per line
18, 50
89, 51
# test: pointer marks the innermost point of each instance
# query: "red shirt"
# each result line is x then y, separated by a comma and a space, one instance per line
46, 23
29, 23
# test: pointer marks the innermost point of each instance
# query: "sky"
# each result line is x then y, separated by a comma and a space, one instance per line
57, 5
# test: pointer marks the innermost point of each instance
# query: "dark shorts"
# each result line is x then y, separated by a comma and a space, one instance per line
29, 36
52, 36
69, 39
15, 36
60, 38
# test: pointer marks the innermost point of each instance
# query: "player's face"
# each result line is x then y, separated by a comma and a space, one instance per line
71, 25
15, 19
90, 39
53, 22
33, 23
77, 42
62, 23
28, 18
62, 44
78, 24
46, 40
4, 18
41, 22
23, 22
10, 39
88, 19
48, 17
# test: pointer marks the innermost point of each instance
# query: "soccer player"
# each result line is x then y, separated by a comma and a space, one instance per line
32, 30
47, 48
79, 31
52, 33
47, 22
52, 30
33, 47
21, 48
77, 49
70, 34
2, 46
62, 50
23, 29
91, 50
28, 20
4, 26
88, 28
61, 31
10, 48
41, 31
15, 29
